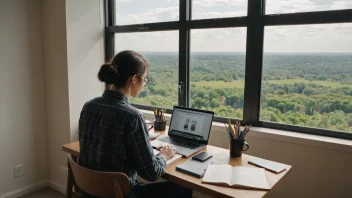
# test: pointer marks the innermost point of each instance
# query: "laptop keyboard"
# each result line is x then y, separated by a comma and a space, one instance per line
179, 143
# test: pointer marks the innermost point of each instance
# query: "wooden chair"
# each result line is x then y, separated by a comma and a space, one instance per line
96, 183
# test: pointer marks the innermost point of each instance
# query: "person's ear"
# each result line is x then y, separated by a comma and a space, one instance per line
134, 79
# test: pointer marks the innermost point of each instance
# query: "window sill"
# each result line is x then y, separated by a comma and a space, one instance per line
283, 136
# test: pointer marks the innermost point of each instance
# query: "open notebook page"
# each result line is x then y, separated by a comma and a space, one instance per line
250, 177
218, 174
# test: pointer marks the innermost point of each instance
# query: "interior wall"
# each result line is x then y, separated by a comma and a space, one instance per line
73, 54
22, 101
56, 86
85, 52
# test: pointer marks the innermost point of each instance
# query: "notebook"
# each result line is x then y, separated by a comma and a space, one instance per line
238, 176
171, 160
193, 167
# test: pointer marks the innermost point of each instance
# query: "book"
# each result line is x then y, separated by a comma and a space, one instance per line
171, 160
238, 176
193, 167
268, 165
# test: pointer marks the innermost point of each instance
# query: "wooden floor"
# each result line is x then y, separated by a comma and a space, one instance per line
45, 193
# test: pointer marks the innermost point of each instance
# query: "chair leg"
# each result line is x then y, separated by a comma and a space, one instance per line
69, 182
75, 194
75, 159
117, 188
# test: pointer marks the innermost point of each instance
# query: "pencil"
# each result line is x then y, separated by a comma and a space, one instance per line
230, 126
229, 131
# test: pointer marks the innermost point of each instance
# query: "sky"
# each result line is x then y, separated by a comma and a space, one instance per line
334, 38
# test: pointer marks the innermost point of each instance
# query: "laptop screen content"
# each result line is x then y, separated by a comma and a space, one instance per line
191, 124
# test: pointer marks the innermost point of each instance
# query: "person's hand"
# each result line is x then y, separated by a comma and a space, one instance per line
167, 151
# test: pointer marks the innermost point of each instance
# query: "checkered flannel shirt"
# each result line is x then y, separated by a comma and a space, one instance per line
113, 137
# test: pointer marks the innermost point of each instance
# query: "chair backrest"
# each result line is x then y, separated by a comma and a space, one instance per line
100, 184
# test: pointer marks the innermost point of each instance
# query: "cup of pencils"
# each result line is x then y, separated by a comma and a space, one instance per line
237, 138
159, 120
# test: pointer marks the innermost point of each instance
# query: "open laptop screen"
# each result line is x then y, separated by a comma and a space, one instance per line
191, 123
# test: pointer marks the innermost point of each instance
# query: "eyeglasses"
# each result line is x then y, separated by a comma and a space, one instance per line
146, 80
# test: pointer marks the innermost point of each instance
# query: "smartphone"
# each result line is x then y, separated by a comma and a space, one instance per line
202, 156
268, 165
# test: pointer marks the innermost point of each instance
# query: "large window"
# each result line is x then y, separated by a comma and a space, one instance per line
270, 63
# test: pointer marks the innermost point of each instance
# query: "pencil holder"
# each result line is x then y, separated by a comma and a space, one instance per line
159, 125
236, 147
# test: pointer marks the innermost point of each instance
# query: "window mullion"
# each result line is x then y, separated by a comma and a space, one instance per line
184, 46
109, 36
254, 61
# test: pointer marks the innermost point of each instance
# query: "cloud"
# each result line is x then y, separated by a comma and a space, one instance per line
147, 41
209, 15
153, 15
123, 1
218, 40
205, 9
292, 6
214, 3
298, 38
338, 5
309, 38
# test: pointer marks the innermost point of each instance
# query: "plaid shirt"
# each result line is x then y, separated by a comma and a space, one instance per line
113, 137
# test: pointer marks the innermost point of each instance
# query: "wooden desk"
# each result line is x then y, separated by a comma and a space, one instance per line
221, 155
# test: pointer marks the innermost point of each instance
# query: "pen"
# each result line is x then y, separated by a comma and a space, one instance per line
234, 135
246, 132
236, 130
239, 127
152, 126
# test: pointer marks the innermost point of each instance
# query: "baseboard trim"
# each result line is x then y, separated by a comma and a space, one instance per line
25, 190
56, 186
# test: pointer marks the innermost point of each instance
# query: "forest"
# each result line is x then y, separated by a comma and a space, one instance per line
313, 90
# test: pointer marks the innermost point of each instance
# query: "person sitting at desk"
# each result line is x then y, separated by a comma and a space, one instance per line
113, 135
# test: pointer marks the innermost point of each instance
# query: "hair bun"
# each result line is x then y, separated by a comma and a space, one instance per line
107, 73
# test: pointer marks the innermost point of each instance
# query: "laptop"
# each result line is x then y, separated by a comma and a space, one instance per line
189, 130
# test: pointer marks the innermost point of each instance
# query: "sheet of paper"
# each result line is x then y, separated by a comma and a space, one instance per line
250, 177
218, 174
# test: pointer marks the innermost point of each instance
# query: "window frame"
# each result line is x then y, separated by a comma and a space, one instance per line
255, 22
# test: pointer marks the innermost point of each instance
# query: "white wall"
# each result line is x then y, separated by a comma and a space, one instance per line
73, 53
22, 103
85, 51
56, 86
